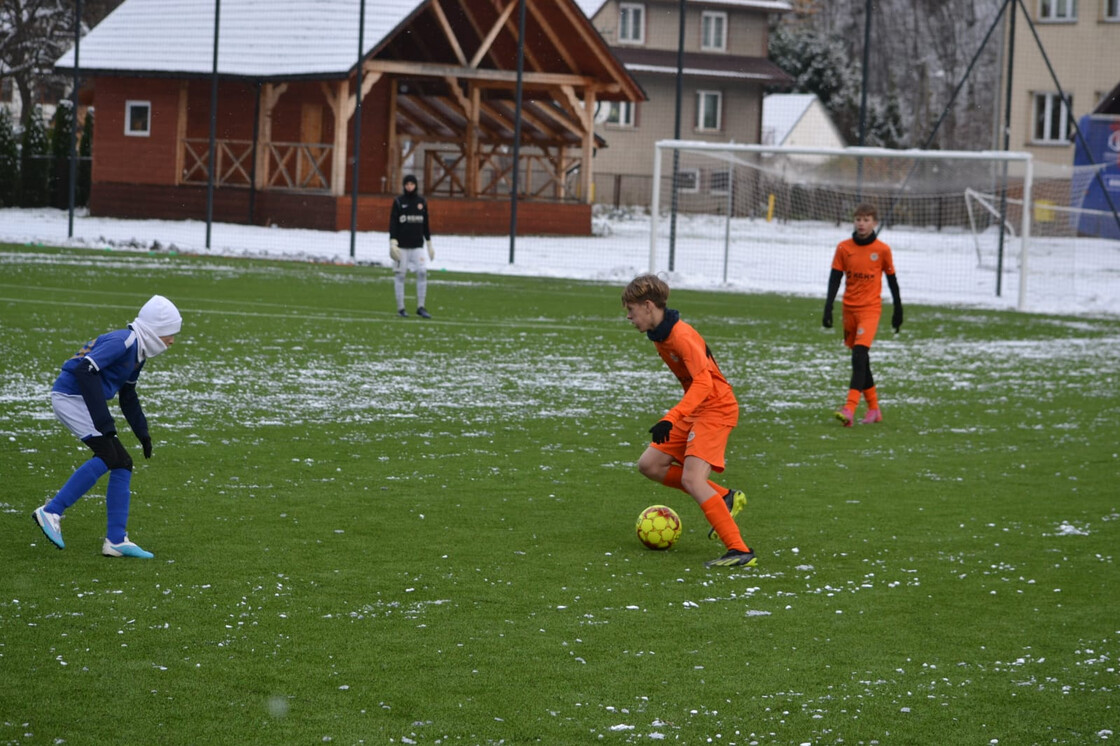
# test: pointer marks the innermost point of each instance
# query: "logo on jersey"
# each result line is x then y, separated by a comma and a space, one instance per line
674, 357
874, 256
691, 435
859, 332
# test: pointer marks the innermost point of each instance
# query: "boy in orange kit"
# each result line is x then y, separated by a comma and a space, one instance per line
861, 261
690, 440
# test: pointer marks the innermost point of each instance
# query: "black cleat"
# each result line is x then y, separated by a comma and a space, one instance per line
734, 558
402, 313
423, 313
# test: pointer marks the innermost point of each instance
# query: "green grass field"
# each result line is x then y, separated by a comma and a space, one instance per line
375, 530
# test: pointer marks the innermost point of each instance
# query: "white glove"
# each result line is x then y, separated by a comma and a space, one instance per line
394, 250
431, 251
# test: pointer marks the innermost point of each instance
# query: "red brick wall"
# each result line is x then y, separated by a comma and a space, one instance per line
139, 160
323, 212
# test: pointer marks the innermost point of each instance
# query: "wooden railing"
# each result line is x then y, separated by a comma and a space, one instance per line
290, 165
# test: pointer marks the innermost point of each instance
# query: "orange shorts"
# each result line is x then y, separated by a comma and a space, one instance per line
860, 325
706, 441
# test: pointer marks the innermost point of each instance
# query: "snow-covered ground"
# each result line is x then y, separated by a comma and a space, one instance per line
951, 267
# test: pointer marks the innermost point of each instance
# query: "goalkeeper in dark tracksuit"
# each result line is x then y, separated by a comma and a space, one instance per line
409, 236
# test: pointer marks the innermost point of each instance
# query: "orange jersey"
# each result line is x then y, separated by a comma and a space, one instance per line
863, 268
706, 392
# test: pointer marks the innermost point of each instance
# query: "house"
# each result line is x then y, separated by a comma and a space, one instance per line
1082, 44
798, 119
437, 84
725, 71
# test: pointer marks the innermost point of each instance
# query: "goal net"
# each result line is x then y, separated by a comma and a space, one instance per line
973, 228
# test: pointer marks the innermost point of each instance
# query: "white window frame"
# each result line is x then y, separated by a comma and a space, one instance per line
1061, 11
726, 174
631, 30
702, 97
710, 20
690, 176
621, 114
1110, 9
1042, 119
128, 129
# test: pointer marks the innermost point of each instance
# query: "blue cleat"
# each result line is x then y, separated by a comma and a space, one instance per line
51, 523
125, 549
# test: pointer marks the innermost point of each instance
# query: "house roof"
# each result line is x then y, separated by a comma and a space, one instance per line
591, 7
697, 64
781, 112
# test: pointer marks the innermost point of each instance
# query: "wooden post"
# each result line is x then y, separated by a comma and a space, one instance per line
474, 173
588, 120
338, 104
181, 131
393, 163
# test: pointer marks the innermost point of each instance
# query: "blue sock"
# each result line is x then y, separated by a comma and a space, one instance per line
79, 483
116, 504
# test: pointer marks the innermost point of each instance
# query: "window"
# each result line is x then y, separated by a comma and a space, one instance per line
1112, 10
713, 31
1057, 10
1051, 118
138, 118
631, 23
688, 180
718, 181
708, 111
621, 114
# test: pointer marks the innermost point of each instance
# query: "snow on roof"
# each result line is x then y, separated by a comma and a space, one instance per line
257, 38
591, 7
781, 112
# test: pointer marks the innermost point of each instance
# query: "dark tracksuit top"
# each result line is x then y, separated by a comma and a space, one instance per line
408, 222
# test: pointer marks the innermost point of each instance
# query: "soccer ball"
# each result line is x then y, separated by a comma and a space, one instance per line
658, 527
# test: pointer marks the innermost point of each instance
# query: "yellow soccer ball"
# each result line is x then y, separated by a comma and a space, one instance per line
659, 527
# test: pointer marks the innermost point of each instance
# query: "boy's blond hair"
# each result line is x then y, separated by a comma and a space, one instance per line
646, 287
866, 208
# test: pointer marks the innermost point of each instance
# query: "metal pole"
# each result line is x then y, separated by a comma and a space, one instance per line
654, 207
863, 95
727, 224
517, 130
1006, 146
213, 124
74, 118
357, 129
676, 136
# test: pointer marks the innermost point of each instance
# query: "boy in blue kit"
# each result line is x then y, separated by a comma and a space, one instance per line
106, 367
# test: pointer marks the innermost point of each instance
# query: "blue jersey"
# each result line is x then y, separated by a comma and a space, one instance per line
116, 355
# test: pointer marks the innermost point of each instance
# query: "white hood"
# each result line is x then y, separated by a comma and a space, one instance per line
157, 318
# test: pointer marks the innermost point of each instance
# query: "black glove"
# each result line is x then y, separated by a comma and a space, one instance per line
826, 320
896, 317
660, 431
146, 442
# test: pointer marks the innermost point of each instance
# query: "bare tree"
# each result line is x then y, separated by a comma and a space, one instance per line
919, 52
33, 34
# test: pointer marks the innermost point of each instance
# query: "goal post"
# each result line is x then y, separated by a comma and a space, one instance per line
743, 196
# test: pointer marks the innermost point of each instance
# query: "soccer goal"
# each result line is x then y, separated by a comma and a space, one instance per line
768, 218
